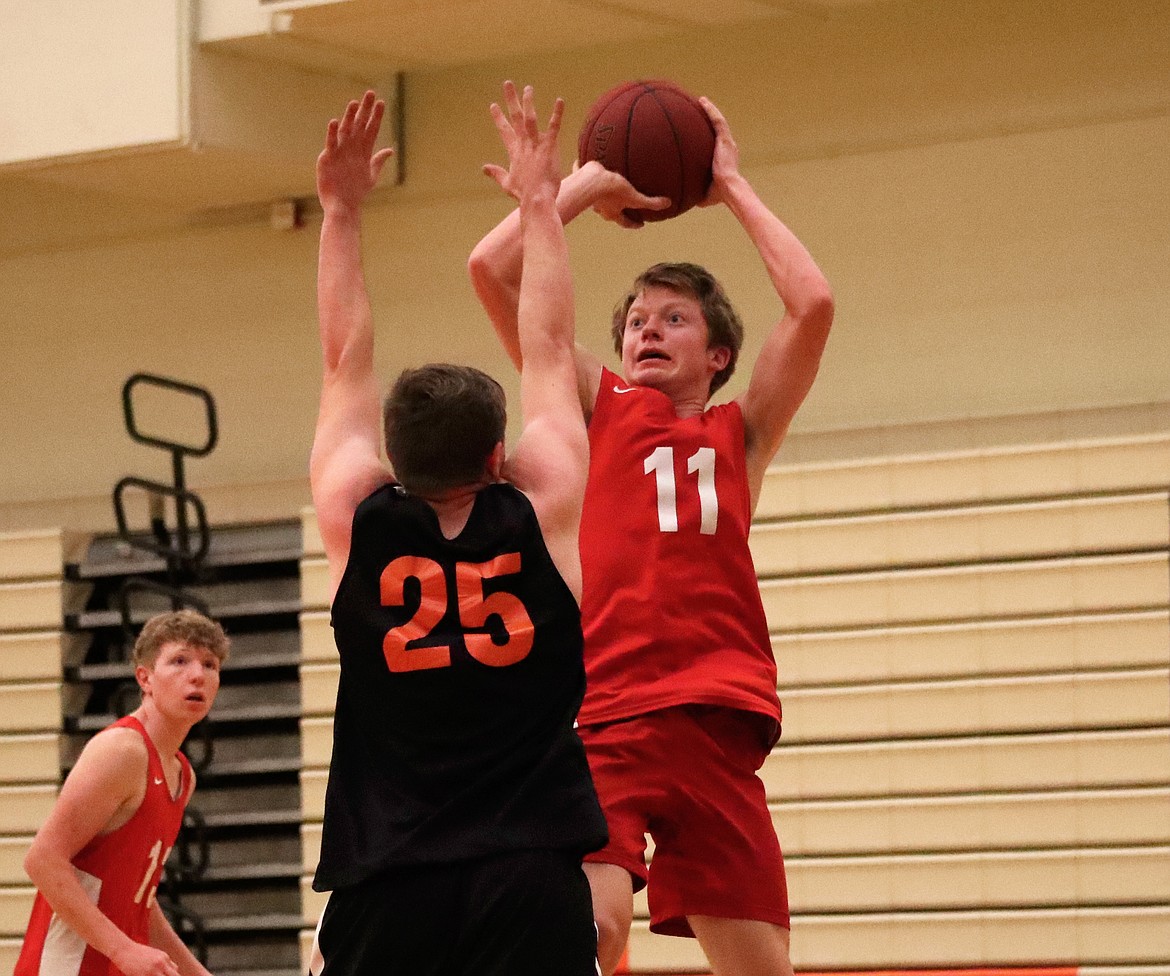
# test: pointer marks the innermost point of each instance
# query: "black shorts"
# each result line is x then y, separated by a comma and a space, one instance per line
527, 913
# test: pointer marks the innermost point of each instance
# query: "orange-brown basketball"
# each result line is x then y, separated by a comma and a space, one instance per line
658, 137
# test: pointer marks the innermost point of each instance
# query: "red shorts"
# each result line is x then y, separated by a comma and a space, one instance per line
687, 776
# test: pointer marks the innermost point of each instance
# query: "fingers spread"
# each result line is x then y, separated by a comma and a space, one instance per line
378, 160
331, 135
497, 173
554, 122
503, 124
365, 110
375, 120
346, 127
512, 100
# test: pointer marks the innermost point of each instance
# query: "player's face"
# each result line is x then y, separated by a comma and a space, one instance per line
665, 343
184, 680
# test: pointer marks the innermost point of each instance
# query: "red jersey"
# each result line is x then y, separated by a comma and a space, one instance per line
671, 604
119, 870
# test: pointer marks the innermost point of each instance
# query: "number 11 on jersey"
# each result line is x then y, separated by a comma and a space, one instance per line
660, 463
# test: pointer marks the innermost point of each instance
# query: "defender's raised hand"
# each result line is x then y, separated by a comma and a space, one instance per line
348, 167
533, 161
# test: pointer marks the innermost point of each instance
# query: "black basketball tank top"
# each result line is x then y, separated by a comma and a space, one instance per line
461, 676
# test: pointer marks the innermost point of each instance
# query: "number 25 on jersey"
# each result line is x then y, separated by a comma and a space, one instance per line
475, 607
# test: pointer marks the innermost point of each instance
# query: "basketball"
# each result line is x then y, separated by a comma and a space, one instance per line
658, 137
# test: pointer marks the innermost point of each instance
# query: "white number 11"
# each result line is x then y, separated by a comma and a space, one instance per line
660, 463
154, 857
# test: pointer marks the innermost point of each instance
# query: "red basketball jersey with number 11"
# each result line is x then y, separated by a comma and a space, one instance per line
671, 606
120, 872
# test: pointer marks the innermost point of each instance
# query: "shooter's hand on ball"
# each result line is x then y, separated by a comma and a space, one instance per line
725, 162
615, 196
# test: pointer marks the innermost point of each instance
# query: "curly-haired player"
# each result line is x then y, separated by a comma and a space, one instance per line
97, 859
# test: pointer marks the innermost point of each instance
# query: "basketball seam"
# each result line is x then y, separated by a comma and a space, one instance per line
629, 128
682, 169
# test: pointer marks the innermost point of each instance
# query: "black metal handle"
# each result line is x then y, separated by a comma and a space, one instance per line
189, 924
170, 546
192, 851
202, 733
167, 383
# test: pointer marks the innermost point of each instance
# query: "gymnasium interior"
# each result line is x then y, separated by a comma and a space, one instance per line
963, 545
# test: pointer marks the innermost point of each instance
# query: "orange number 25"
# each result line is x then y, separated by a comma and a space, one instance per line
475, 607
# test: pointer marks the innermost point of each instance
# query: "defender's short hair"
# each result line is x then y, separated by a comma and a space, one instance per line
442, 422
724, 326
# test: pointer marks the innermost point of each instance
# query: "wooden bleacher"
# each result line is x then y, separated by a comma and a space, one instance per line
31, 649
55, 691
974, 657
244, 842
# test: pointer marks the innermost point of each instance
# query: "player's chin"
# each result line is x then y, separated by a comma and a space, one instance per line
197, 706
648, 372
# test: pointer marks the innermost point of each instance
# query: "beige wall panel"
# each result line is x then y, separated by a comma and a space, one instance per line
227, 504
29, 656
1134, 935
980, 880
964, 476
1123, 970
317, 637
968, 765
316, 742
15, 906
910, 596
306, 942
791, 490
9, 952
311, 534
944, 939
29, 758
310, 846
12, 851
973, 882
131, 58
985, 648
1003, 821
987, 706
1093, 584
30, 707
1144, 462
1083, 525
315, 584
969, 535
30, 606
26, 555
319, 688
24, 808
977, 302
313, 783
312, 902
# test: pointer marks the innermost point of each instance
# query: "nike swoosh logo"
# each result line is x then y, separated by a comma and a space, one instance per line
158, 782
618, 389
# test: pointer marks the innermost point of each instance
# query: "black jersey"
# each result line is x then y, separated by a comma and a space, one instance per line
461, 676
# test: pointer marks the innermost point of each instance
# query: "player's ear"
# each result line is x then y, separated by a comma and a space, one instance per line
719, 357
495, 461
142, 676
